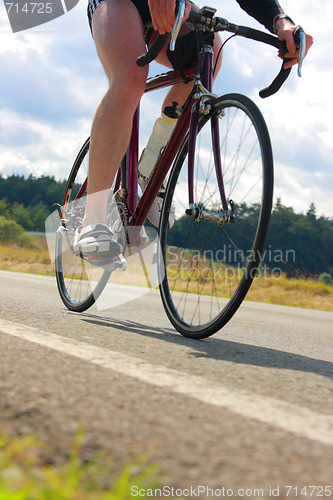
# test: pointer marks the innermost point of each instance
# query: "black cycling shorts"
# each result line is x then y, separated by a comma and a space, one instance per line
141, 5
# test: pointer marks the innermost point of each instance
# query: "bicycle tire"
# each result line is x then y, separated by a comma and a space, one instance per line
198, 301
79, 283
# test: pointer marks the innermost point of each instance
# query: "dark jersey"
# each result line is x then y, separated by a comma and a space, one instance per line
263, 11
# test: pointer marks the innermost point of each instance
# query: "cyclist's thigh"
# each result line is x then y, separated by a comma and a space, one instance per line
163, 58
119, 37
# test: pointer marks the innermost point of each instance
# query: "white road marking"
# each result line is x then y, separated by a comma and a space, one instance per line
291, 418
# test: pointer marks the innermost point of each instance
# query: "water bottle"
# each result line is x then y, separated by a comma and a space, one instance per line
161, 133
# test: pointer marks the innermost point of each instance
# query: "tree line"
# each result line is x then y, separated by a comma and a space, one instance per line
305, 241
28, 200
297, 244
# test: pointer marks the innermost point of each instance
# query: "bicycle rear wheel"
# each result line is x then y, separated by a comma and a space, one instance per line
208, 266
79, 283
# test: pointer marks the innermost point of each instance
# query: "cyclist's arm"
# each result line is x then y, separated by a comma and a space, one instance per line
263, 11
266, 12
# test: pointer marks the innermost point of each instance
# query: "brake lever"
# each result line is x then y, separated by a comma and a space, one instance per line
160, 40
300, 39
300, 42
178, 24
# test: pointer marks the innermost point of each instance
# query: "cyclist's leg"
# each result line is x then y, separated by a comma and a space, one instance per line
118, 35
179, 92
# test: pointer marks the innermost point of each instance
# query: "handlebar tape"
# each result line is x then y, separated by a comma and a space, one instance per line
260, 36
276, 83
153, 51
284, 73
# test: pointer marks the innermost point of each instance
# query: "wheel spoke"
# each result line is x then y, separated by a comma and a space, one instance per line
206, 263
79, 283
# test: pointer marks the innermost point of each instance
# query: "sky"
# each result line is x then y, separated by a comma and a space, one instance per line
51, 82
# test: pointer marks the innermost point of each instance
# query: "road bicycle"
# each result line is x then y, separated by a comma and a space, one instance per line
218, 165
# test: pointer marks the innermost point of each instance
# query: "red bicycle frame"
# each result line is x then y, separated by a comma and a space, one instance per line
187, 121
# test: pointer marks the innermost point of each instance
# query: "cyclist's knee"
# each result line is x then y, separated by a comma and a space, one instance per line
134, 80
130, 85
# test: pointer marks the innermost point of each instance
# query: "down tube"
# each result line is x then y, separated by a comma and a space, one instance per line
217, 159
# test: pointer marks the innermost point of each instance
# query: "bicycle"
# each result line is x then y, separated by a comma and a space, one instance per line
220, 155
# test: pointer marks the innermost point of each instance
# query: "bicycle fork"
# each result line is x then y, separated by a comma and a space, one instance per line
202, 106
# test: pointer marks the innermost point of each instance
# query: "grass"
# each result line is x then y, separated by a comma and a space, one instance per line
24, 474
295, 292
27, 260
306, 293
300, 292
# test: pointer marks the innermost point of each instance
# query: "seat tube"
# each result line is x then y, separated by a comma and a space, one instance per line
132, 164
191, 151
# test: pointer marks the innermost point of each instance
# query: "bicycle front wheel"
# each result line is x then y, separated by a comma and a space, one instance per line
208, 264
79, 283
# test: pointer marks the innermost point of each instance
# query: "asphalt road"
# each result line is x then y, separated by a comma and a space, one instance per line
246, 413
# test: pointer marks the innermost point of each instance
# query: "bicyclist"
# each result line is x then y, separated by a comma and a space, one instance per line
118, 30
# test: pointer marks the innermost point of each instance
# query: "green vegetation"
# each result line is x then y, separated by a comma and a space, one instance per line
300, 245
13, 233
28, 200
26, 475
308, 236
325, 278
294, 292
35, 260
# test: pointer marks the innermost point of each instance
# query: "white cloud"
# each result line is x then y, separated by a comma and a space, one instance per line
35, 147
299, 117
16, 163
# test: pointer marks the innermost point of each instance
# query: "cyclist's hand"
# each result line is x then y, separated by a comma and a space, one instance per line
285, 31
163, 14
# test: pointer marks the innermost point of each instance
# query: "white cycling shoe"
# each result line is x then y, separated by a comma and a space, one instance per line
154, 213
96, 244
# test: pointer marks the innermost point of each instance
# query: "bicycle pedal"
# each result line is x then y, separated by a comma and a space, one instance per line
120, 262
61, 231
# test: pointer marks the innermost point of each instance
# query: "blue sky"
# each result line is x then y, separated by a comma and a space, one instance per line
51, 83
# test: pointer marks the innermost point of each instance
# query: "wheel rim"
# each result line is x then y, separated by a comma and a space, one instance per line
79, 282
208, 270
